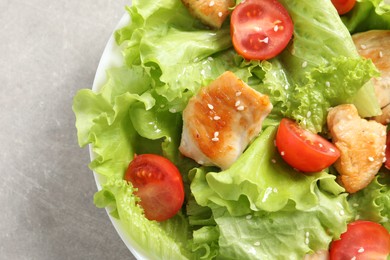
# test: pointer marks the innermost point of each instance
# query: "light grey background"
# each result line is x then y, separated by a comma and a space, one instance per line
49, 49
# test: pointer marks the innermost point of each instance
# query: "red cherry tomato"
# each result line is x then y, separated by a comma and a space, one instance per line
343, 6
304, 150
159, 183
387, 152
260, 29
362, 240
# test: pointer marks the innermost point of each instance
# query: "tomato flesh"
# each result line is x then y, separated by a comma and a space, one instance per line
362, 240
343, 6
159, 183
304, 150
260, 29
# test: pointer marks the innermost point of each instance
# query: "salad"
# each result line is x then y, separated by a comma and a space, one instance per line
261, 205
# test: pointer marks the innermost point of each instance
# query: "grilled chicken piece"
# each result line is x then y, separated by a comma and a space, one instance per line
361, 143
221, 120
375, 45
211, 12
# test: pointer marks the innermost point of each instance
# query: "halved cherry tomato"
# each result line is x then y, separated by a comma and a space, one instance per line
159, 183
362, 240
387, 152
260, 29
304, 150
343, 6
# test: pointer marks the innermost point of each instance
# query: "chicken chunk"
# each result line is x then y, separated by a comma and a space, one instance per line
375, 45
211, 12
221, 120
361, 143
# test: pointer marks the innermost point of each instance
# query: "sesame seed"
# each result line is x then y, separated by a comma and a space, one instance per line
248, 216
380, 54
220, 14
357, 217
327, 84
286, 86
240, 108
332, 150
355, 205
275, 143
275, 190
353, 258
276, 28
304, 64
201, 162
211, 3
282, 153
172, 110
238, 93
273, 161
384, 160
216, 118
371, 159
308, 114
265, 40
307, 234
320, 145
341, 212
215, 138
196, 59
210, 106
361, 250
210, 58
203, 72
257, 243
363, 46
238, 102
307, 241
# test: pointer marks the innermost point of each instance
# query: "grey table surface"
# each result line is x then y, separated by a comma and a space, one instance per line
49, 49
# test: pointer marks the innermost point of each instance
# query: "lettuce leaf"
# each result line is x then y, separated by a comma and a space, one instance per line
368, 15
169, 239
373, 202
263, 208
260, 180
272, 235
308, 78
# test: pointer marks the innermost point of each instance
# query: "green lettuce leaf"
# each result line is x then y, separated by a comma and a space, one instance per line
169, 239
308, 77
368, 15
373, 202
260, 180
272, 235
263, 208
